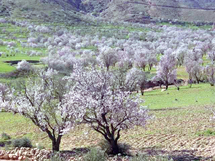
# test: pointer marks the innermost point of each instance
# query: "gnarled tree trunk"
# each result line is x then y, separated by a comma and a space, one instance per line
114, 147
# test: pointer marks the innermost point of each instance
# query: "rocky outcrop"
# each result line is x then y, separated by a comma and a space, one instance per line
25, 154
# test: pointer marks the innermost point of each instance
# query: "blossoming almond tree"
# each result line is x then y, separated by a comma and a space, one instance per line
194, 68
135, 79
166, 69
108, 110
210, 68
108, 57
44, 101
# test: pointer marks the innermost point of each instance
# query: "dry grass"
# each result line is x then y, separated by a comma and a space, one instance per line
171, 132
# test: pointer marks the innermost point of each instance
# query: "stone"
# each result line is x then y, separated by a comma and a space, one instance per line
20, 158
10, 156
6, 156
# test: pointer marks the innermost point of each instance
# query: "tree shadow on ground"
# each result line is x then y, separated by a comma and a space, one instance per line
176, 155
167, 109
74, 153
166, 92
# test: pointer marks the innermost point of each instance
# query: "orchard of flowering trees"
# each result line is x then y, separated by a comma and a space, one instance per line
121, 48
187, 47
91, 75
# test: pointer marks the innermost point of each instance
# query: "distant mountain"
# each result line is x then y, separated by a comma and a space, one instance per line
126, 10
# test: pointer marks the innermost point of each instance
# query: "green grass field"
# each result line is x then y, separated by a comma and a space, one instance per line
6, 67
18, 32
197, 95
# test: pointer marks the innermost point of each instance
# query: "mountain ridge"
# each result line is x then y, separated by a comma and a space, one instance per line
117, 10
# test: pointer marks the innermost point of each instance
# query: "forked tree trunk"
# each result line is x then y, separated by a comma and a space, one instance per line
56, 143
55, 146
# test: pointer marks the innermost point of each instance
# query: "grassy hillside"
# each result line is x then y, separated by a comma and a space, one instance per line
47, 10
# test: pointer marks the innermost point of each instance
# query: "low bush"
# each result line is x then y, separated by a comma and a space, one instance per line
95, 155
206, 133
5, 136
2, 143
57, 157
22, 142
4, 140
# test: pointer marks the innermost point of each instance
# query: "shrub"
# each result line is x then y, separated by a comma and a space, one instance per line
206, 133
24, 65
56, 157
5, 136
2, 143
95, 155
23, 142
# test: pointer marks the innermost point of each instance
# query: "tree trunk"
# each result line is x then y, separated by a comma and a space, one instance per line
114, 147
56, 143
55, 146
160, 85
197, 79
167, 85
150, 67
142, 92
142, 87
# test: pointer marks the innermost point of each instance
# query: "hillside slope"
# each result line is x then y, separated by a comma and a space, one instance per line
139, 10
65, 11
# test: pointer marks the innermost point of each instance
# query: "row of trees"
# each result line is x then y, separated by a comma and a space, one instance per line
141, 59
141, 49
88, 96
